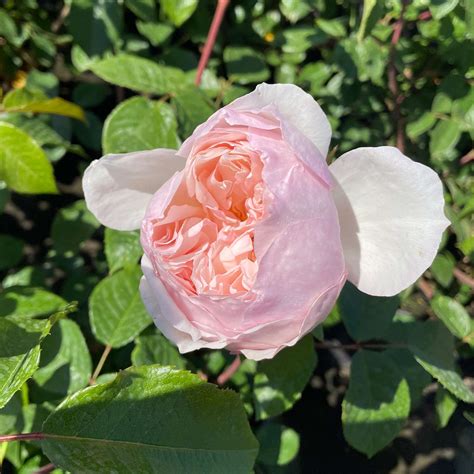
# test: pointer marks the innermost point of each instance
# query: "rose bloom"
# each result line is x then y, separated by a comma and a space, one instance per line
249, 236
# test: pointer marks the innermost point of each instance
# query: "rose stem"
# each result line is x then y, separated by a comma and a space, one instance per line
356, 346
230, 371
101, 363
45, 469
21, 436
211, 38
392, 80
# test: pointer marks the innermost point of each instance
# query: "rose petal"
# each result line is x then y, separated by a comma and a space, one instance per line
296, 106
391, 217
118, 188
167, 316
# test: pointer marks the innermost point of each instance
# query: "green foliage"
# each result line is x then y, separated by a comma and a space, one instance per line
366, 317
139, 74
83, 78
88, 431
151, 347
279, 444
20, 339
122, 249
116, 311
445, 405
279, 381
139, 124
23, 164
72, 225
453, 315
376, 404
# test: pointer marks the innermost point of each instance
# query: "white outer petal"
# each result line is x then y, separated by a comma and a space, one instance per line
296, 106
117, 188
391, 216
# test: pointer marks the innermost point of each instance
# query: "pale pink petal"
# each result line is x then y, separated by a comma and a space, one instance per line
391, 217
167, 316
295, 106
118, 188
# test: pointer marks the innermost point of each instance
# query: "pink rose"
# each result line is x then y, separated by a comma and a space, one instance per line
249, 236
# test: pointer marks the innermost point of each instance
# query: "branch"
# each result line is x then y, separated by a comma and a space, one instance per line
230, 371
101, 363
392, 80
463, 277
358, 345
45, 469
211, 38
21, 437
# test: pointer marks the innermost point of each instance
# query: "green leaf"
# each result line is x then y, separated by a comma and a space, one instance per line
453, 315
139, 74
121, 248
442, 103
116, 311
23, 164
444, 137
65, 364
72, 225
144, 9
178, 11
376, 404
279, 381
421, 125
23, 100
29, 302
8, 28
433, 348
334, 28
371, 13
153, 348
245, 65
417, 378
366, 317
192, 108
440, 8
20, 338
442, 269
11, 251
11, 417
294, 10
445, 405
156, 33
139, 124
279, 445
151, 419
95, 26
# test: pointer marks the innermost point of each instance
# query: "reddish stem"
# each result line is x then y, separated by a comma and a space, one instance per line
21, 437
45, 469
229, 372
211, 38
392, 80
423, 16
463, 277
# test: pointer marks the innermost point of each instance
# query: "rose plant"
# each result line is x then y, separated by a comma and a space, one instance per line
248, 234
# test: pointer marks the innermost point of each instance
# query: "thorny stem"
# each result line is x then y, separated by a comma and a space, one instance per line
101, 363
229, 371
211, 38
21, 437
392, 80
